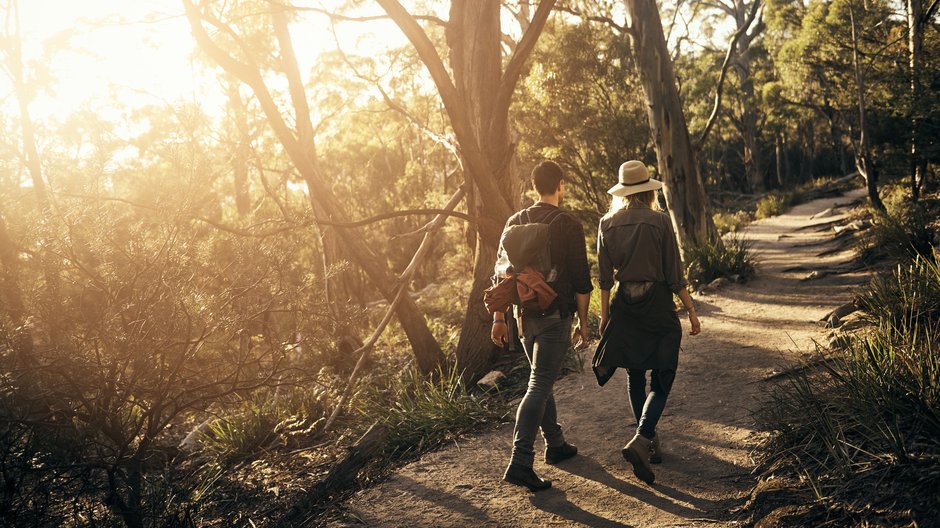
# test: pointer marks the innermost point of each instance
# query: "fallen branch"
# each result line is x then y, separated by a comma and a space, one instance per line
342, 474
404, 281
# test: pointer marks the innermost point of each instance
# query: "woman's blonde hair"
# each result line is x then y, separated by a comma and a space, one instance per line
647, 198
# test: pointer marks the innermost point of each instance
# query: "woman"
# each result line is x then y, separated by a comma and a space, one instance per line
640, 331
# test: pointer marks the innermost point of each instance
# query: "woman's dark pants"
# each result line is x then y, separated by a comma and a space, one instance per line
647, 409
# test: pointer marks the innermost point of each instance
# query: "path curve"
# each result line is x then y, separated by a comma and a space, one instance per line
749, 331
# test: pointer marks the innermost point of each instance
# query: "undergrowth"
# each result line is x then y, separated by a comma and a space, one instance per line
423, 413
728, 222
903, 233
774, 204
732, 258
861, 429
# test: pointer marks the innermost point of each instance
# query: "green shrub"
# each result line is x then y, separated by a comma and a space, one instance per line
774, 204
423, 413
727, 222
872, 409
907, 297
241, 433
903, 234
874, 404
732, 258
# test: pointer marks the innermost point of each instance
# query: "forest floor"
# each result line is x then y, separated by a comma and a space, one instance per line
749, 332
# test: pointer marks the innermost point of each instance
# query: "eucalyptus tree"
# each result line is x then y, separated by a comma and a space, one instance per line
295, 130
684, 190
477, 91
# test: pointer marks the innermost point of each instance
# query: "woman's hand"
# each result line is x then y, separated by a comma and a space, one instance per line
581, 331
696, 325
499, 333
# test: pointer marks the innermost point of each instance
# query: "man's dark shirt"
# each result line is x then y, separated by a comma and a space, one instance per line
569, 255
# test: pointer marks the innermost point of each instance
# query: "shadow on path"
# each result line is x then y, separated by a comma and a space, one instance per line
443, 499
671, 501
554, 501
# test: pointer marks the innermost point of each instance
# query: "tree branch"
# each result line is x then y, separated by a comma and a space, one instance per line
338, 17
251, 231
622, 29
459, 119
929, 12
404, 281
507, 84
724, 73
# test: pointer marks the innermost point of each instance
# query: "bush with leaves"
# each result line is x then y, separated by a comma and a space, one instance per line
731, 258
155, 319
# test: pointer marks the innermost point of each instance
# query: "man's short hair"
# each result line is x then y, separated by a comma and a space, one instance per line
546, 177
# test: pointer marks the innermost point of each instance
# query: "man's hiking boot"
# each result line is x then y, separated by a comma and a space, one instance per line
656, 450
637, 452
521, 476
554, 455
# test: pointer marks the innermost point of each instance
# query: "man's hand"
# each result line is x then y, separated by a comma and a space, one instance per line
696, 325
499, 333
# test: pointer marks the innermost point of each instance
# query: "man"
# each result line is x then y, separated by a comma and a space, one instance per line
547, 333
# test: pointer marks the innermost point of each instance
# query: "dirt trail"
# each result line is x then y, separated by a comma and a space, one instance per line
749, 331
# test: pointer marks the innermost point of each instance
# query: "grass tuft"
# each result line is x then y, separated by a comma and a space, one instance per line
732, 258
423, 413
774, 204
906, 298
904, 234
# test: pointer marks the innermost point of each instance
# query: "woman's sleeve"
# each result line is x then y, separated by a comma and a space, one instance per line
605, 268
672, 262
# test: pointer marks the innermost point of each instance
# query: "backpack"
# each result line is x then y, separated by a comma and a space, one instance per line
524, 264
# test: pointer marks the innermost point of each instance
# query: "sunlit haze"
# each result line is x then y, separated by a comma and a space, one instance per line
110, 54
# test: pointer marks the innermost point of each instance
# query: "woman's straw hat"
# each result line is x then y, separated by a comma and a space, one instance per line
634, 178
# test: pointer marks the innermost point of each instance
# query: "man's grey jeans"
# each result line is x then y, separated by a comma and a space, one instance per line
546, 341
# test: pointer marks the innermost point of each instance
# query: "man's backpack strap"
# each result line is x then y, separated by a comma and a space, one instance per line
552, 216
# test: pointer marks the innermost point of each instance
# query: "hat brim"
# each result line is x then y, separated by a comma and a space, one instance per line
627, 190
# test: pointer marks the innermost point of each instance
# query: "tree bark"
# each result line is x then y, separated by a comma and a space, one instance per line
241, 153
685, 191
477, 101
863, 158
749, 131
915, 27
473, 36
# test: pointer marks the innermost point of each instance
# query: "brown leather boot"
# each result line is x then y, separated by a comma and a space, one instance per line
656, 450
522, 476
637, 452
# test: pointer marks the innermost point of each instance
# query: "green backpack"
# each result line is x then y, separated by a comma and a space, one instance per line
529, 244
521, 247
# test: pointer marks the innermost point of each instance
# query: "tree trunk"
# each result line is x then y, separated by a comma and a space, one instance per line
749, 131
685, 192
863, 158
477, 102
915, 25
241, 153
778, 155
473, 36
